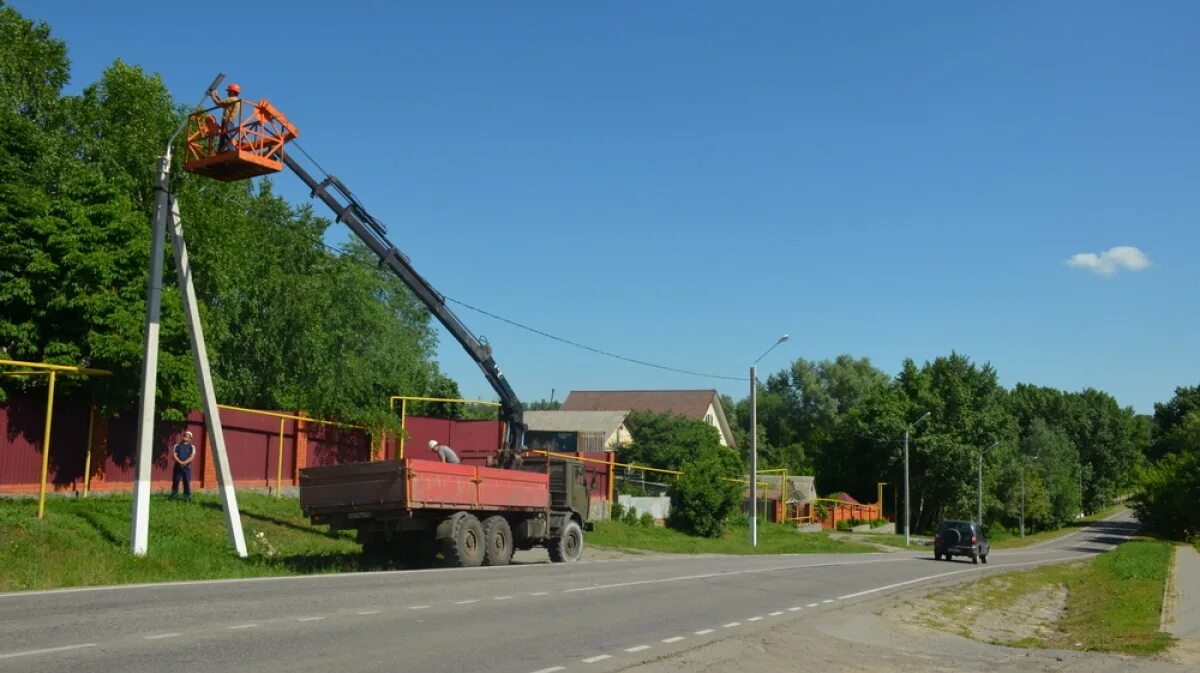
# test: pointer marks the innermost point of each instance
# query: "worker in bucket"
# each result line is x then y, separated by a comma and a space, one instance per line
444, 452
231, 113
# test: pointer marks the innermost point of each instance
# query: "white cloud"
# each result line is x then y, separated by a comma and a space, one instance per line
1110, 262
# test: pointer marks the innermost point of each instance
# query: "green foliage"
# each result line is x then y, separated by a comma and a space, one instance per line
543, 405
1171, 413
288, 324
667, 441
616, 512
630, 516
772, 539
1167, 497
646, 520
701, 498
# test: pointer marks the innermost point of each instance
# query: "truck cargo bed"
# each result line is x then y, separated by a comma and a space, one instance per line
419, 484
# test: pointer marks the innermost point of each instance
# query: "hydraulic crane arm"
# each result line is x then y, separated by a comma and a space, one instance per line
351, 212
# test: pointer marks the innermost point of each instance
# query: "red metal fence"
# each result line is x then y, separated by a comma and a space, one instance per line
252, 441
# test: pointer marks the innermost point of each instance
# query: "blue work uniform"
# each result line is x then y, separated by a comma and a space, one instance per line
182, 473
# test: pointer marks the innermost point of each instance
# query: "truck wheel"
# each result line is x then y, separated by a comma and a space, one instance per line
498, 536
569, 547
462, 540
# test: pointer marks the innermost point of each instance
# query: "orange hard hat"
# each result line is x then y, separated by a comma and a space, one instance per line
233, 88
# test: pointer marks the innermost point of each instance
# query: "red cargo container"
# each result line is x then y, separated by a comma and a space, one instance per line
472, 514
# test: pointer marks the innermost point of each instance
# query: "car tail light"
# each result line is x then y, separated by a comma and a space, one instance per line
974, 539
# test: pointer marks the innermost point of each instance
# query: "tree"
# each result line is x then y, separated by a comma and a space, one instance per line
702, 499
667, 441
1054, 465
1172, 413
1165, 502
543, 405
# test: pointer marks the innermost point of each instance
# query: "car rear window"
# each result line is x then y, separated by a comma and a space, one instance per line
963, 527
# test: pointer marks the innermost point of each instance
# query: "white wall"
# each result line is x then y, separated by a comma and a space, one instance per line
658, 506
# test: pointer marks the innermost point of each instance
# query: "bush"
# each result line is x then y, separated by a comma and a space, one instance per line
1166, 503
844, 525
616, 511
630, 516
701, 500
646, 520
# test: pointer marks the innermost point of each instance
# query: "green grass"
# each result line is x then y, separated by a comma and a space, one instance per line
1009, 540
86, 542
1113, 601
772, 539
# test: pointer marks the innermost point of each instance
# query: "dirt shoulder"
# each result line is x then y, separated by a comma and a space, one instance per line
871, 637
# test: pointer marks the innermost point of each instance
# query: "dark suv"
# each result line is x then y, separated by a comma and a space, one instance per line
960, 538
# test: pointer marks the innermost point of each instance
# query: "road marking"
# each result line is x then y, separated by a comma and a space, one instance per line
754, 619
795, 609
827, 600
730, 625
243, 626
309, 619
369, 612
552, 669
159, 636
502, 598
540, 593
703, 632
731, 573
959, 572
637, 648
467, 602
672, 640
598, 657
776, 613
48, 650
813, 605
418, 607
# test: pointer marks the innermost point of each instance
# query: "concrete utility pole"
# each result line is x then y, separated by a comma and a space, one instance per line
165, 206
754, 443
907, 504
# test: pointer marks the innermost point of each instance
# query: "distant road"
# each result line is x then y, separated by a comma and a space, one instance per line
590, 616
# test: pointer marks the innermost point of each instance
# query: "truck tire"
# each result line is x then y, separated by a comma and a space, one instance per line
569, 547
462, 540
498, 537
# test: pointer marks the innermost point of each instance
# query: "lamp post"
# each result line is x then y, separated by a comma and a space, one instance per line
1024, 466
754, 442
980, 512
907, 508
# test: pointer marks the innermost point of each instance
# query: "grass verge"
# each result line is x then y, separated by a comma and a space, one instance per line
772, 539
86, 542
1007, 540
1112, 604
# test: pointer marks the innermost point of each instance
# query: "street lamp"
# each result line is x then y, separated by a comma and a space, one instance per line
754, 442
907, 509
980, 513
1023, 468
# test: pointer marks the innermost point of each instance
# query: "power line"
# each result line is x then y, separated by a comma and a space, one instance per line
514, 323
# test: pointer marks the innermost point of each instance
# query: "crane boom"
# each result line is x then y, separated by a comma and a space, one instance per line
351, 212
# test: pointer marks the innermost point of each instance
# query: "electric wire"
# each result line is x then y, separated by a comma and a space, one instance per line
599, 351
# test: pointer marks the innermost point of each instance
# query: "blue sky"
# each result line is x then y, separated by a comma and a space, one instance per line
684, 182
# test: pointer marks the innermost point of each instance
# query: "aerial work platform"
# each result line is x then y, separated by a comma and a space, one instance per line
245, 144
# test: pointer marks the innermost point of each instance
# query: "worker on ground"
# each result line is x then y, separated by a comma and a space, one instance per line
444, 452
231, 113
182, 456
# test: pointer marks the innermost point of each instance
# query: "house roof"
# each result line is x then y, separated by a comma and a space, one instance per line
691, 404
575, 421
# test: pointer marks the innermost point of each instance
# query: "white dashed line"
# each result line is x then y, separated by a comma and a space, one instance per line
369, 612
49, 650
540, 593
795, 609
243, 626
827, 600
502, 598
309, 619
159, 636
813, 605
552, 669
637, 648
703, 632
598, 657
776, 613
418, 607
672, 640
467, 602
730, 625
754, 619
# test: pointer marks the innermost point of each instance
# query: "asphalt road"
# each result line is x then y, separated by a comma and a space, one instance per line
589, 616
